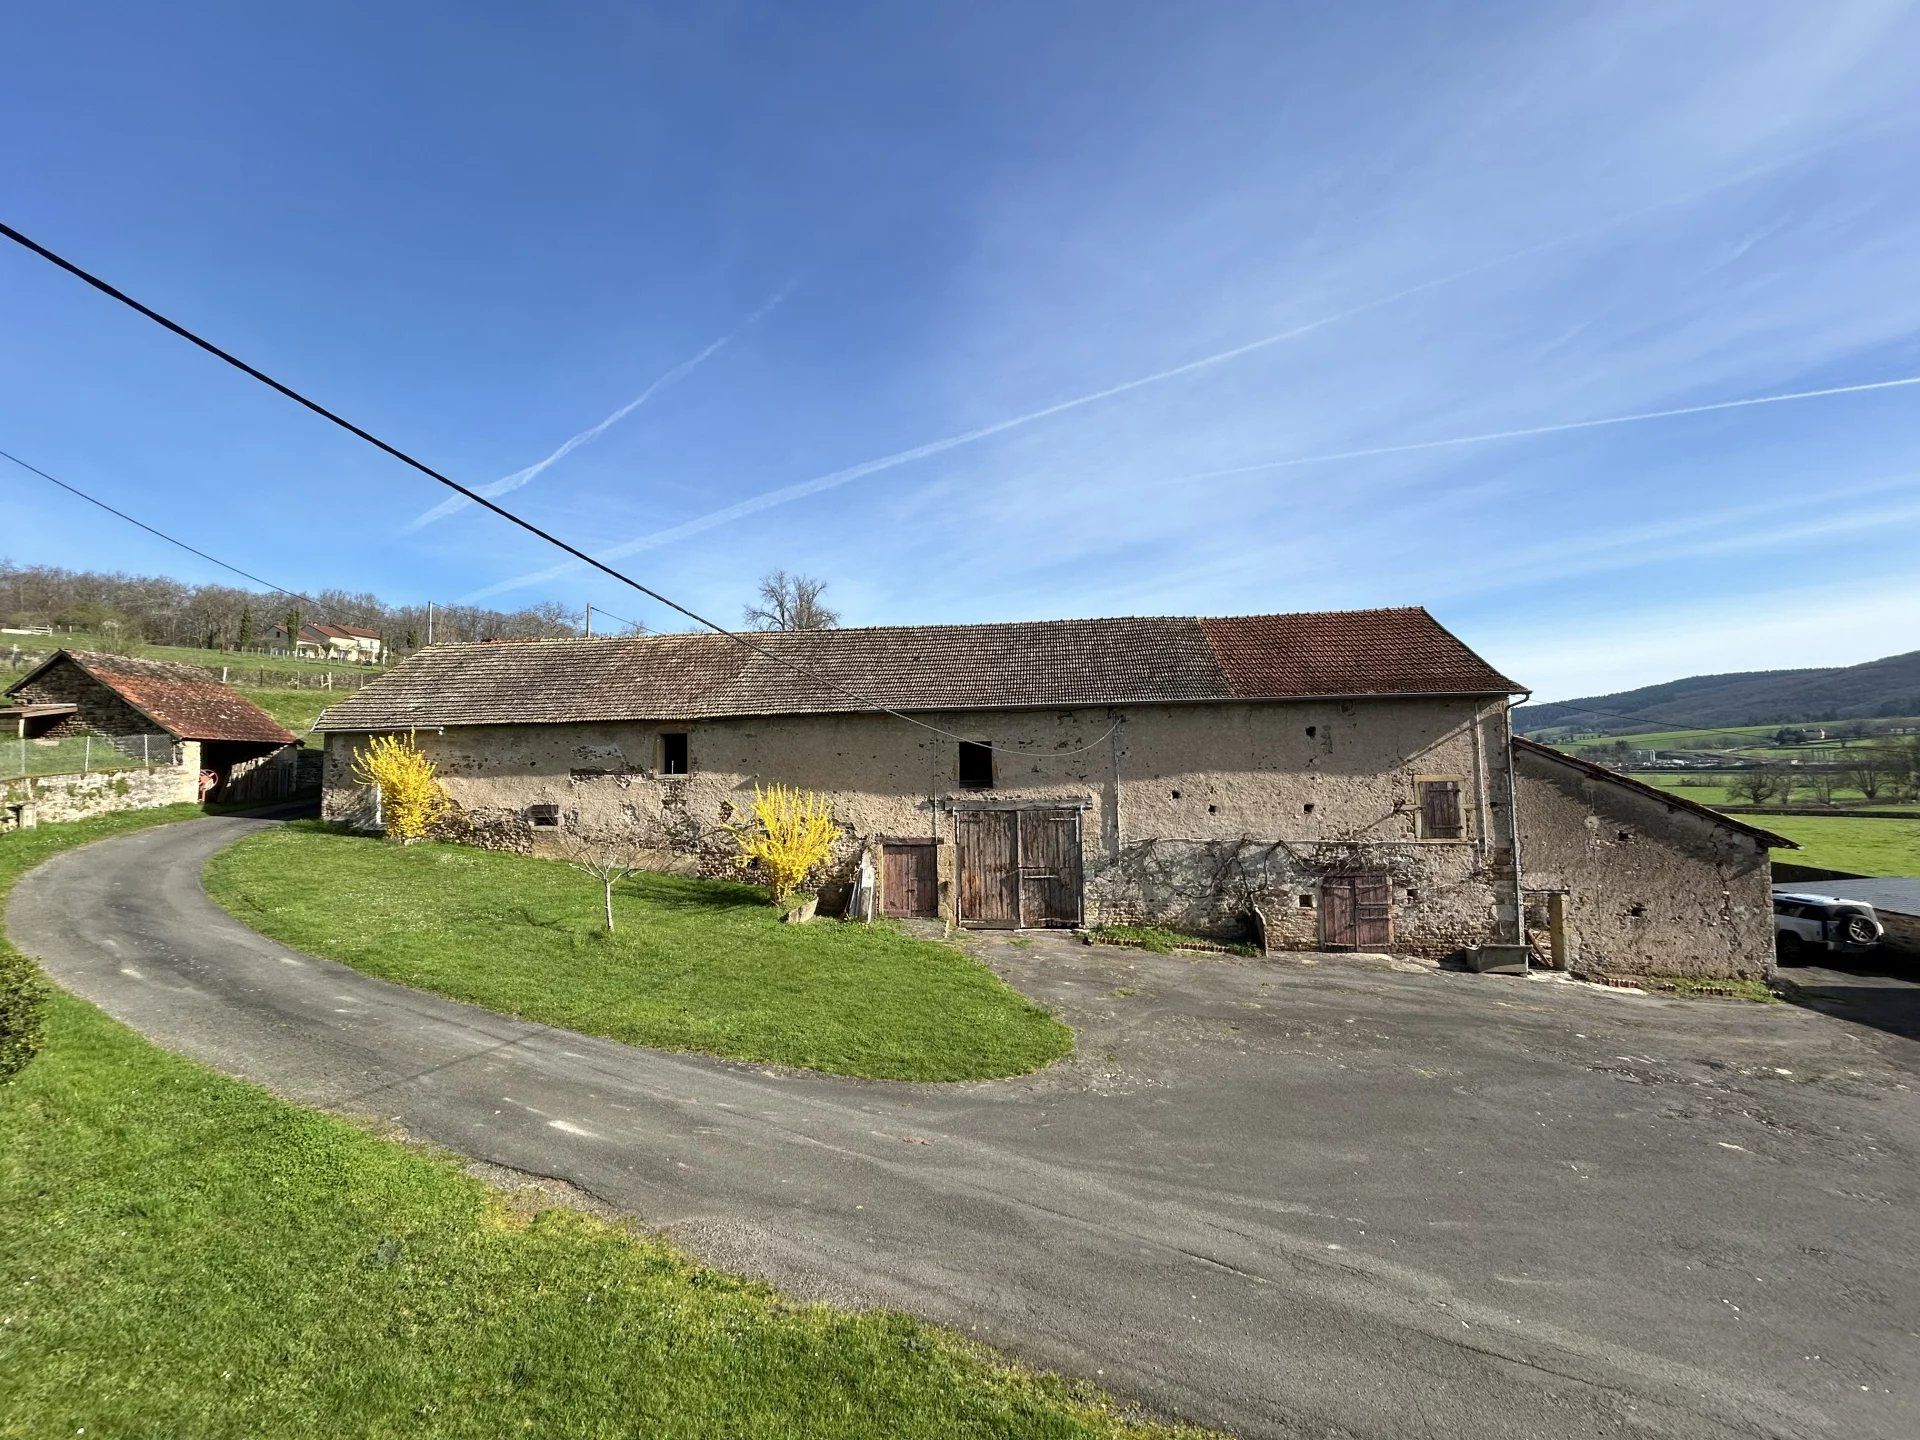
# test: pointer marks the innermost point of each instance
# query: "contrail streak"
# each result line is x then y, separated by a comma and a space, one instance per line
509, 483
834, 479
1557, 428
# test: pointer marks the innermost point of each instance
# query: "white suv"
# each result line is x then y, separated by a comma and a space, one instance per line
1823, 922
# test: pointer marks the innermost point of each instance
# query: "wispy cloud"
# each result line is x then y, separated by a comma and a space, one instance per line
507, 484
1556, 428
833, 480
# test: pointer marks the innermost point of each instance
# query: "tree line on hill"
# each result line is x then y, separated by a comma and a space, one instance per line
158, 610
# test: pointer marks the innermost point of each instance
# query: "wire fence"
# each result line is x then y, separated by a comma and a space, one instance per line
83, 754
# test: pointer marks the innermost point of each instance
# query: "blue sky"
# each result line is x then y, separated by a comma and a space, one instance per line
985, 312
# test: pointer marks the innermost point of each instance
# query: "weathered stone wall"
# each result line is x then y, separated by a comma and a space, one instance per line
1189, 811
1652, 888
41, 799
100, 708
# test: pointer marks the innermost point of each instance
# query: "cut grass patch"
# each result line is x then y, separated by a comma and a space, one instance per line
694, 964
183, 1254
1162, 941
1838, 842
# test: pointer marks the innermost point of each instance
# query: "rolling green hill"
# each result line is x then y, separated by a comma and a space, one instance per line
1871, 690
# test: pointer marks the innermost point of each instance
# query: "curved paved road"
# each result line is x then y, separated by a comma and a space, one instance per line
1284, 1199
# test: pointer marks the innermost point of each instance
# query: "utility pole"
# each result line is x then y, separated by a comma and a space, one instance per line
429, 622
589, 622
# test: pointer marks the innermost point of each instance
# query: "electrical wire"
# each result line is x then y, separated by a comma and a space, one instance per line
152, 530
865, 702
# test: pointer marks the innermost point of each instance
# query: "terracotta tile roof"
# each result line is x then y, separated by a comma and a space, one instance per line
1035, 664
1525, 748
183, 700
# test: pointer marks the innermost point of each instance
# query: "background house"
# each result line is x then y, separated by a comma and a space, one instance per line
347, 643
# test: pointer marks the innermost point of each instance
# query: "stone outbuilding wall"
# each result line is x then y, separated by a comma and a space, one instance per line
1189, 814
1638, 882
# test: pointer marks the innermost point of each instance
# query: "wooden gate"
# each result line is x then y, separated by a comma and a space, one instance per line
1018, 867
909, 878
1356, 912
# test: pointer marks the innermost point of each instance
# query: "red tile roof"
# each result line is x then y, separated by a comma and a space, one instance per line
183, 700
1026, 665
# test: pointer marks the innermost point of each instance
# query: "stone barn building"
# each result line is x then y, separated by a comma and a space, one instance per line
205, 725
1346, 777
1348, 770
1627, 879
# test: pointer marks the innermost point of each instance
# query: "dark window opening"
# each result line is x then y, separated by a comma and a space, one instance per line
1440, 814
1312, 730
1306, 902
673, 753
544, 815
1413, 897
976, 765
1307, 809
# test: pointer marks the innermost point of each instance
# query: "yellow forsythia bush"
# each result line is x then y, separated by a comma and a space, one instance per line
791, 835
412, 801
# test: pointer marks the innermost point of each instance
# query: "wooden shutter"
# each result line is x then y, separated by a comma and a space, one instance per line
1440, 817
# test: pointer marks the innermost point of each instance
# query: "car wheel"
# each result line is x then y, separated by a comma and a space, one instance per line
1859, 930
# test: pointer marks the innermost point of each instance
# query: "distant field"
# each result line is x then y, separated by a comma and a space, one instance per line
192, 655
1716, 793
1838, 842
1719, 737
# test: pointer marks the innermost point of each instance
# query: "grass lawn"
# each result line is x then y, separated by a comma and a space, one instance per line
183, 1254
1839, 842
296, 709
694, 965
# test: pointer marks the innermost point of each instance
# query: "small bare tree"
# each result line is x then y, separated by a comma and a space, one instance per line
1868, 774
608, 856
1756, 786
791, 602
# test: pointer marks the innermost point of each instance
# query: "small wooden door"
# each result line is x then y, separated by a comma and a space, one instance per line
987, 867
1356, 912
909, 879
1050, 867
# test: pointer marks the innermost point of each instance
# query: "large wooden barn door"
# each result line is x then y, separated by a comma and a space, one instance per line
1050, 867
987, 868
1356, 912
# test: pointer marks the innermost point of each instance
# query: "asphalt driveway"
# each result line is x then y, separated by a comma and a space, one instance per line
1285, 1198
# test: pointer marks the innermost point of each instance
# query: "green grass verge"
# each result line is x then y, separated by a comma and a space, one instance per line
1694, 985
1838, 842
694, 964
1162, 941
296, 709
183, 1254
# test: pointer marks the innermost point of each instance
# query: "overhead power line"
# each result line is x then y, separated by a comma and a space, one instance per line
865, 701
152, 530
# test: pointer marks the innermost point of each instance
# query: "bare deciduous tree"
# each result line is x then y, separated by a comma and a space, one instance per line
608, 857
1868, 774
1756, 786
791, 602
